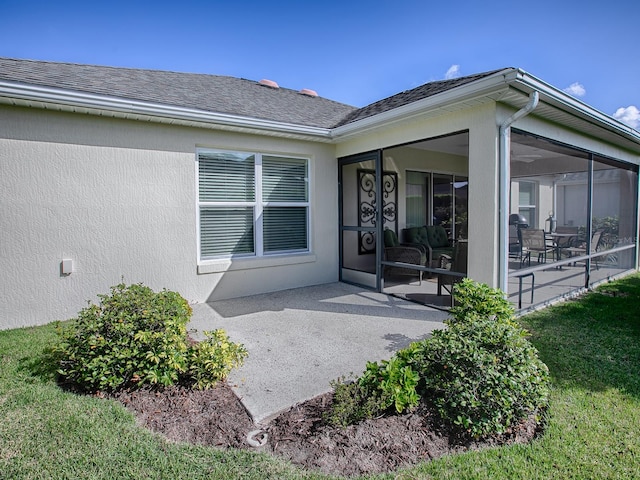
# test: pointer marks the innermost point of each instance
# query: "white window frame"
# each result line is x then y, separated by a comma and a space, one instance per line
533, 222
258, 206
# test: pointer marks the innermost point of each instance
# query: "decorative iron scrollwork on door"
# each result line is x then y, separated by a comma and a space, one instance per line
368, 204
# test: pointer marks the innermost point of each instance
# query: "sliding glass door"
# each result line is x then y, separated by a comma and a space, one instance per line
438, 199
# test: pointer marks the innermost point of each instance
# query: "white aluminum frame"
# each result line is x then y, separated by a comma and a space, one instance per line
258, 208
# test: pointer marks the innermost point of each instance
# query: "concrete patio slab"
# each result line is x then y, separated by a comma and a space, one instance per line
300, 340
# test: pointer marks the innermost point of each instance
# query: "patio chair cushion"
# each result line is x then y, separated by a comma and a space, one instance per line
420, 236
404, 255
394, 251
416, 235
390, 238
437, 236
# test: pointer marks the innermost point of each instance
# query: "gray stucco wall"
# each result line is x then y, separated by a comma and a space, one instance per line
118, 198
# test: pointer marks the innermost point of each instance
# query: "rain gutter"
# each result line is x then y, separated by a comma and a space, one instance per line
66, 100
504, 159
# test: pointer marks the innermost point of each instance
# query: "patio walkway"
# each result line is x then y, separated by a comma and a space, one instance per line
299, 340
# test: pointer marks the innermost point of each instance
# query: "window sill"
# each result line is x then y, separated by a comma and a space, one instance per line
229, 265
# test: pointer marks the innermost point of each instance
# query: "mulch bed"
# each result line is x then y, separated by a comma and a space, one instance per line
216, 417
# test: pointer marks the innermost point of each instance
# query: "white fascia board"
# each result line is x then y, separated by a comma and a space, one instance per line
115, 105
485, 86
563, 100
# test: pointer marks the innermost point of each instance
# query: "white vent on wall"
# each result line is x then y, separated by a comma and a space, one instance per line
66, 266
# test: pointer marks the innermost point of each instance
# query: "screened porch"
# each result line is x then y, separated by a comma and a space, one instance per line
579, 206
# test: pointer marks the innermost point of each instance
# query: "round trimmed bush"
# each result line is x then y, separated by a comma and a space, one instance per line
136, 336
482, 373
474, 300
483, 376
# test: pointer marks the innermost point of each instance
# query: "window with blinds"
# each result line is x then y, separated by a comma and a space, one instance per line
226, 231
226, 177
251, 204
285, 228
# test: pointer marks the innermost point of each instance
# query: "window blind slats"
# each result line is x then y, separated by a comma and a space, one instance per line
226, 177
226, 231
285, 228
284, 179
527, 194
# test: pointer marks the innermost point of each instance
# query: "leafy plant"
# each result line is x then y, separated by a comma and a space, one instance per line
473, 300
396, 382
212, 359
381, 386
481, 373
353, 402
136, 336
483, 376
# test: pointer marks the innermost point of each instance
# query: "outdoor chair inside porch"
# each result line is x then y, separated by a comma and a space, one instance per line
579, 250
394, 251
516, 252
534, 242
433, 238
457, 263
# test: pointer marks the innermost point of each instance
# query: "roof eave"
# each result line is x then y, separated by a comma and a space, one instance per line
483, 87
488, 87
491, 87
562, 100
69, 100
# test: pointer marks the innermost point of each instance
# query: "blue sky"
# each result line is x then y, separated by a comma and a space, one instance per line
355, 52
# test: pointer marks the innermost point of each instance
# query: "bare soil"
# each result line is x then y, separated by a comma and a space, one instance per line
217, 418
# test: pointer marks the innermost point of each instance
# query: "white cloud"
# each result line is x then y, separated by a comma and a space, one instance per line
576, 89
629, 115
453, 72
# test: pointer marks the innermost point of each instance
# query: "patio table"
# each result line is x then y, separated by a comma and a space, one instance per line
555, 237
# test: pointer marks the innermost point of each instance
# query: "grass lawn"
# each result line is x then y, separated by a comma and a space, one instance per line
592, 348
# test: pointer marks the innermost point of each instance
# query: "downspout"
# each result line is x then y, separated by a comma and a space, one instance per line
504, 152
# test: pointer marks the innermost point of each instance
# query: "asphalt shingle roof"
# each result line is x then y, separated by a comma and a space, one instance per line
212, 93
410, 96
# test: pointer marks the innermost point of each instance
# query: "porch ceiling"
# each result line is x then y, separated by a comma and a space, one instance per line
455, 144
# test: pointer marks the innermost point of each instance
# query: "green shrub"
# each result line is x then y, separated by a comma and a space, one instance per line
353, 402
381, 386
134, 337
483, 376
396, 382
473, 300
212, 359
481, 373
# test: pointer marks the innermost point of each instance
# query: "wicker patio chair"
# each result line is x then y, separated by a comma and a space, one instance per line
394, 251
